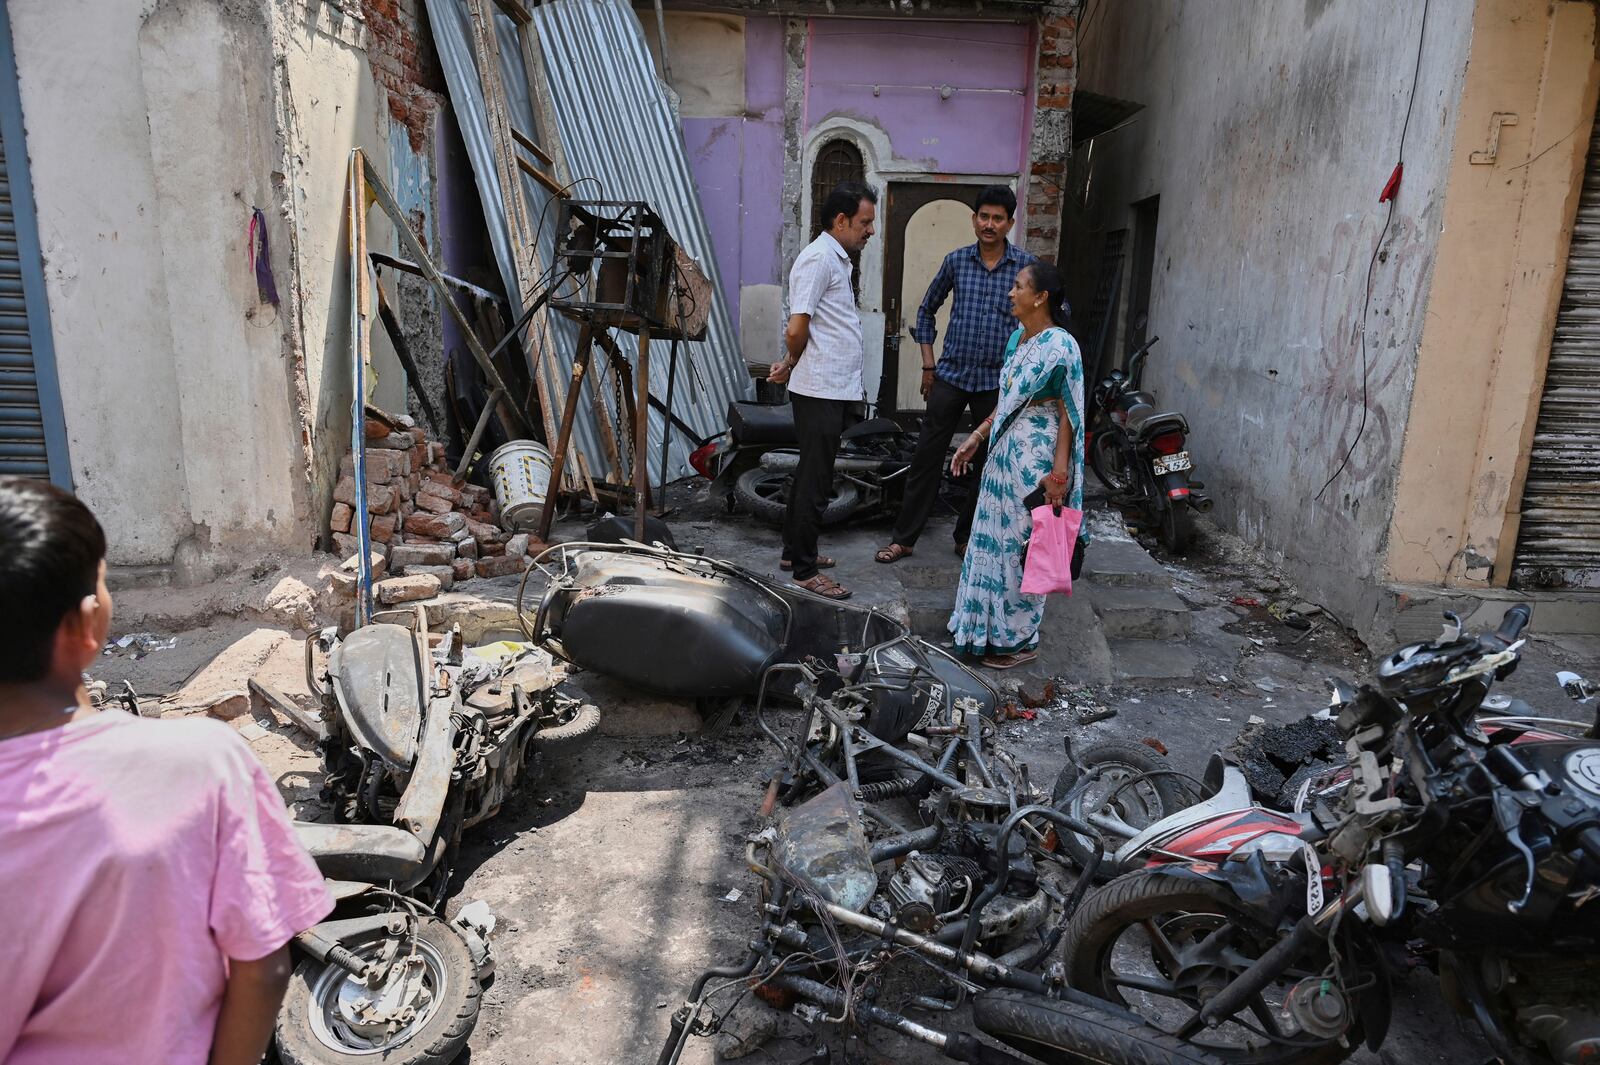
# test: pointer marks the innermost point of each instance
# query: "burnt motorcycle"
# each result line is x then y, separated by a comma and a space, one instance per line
1473, 846
1140, 453
421, 739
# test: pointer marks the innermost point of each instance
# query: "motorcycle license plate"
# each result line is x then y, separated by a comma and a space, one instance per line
1172, 463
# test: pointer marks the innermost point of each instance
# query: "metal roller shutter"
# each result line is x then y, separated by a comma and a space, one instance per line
22, 443
1558, 543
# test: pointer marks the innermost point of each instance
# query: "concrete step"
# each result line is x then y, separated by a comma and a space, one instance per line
1123, 563
935, 565
929, 610
1151, 660
1127, 612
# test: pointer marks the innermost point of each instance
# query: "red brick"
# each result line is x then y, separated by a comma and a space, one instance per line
434, 504
375, 430
383, 527
439, 526
490, 548
342, 513
442, 491
464, 569
501, 566
468, 548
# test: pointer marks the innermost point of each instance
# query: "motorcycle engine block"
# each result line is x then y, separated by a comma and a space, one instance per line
1557, 1002
930, 887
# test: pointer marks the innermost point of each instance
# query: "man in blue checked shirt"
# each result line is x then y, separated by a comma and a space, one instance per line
967, 376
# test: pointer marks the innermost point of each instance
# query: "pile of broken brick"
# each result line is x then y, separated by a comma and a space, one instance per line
428, 531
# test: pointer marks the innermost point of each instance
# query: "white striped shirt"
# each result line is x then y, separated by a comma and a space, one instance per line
819, 286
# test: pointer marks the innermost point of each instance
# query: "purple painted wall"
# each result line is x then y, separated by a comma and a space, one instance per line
738, 165
980, 129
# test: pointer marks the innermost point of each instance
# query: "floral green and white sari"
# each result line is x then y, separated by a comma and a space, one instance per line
992, 615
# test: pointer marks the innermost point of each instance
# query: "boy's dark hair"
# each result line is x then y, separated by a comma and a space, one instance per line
996, 196
845, 199
52, 547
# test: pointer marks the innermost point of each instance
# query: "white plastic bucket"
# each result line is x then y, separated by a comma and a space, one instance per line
520, 472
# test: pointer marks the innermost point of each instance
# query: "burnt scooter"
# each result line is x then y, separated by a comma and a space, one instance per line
1139, 452
420, 742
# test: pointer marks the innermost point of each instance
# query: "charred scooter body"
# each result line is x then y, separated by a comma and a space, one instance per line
1139, 452
418, 745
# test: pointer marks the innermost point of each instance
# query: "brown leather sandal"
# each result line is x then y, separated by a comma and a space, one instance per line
892, 553
824, 586
1011, 661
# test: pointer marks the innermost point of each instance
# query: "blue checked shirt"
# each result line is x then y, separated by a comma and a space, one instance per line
980, 320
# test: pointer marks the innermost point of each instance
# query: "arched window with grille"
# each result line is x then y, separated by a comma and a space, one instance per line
838, 160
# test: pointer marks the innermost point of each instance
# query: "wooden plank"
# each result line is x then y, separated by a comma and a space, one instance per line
519, 14
527, 142
555, 188
524, 245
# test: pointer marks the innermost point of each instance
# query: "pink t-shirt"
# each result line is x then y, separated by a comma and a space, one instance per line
135, 856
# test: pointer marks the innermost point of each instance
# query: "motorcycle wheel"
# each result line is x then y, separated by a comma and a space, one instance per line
573, 735
1063, 1033
311, 1030
1177, 528
1118, 947
1139, 805
765, 494
1107, 461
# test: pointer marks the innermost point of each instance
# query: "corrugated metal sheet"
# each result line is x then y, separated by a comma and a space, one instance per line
1558, 545
617, 129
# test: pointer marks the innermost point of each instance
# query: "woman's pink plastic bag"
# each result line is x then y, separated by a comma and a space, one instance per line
1048, 567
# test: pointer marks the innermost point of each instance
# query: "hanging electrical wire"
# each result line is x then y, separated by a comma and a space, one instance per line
1391, 190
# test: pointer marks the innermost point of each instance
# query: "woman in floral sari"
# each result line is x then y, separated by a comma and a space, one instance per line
1036, 441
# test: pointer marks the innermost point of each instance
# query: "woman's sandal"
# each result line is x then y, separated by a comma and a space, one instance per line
824, 586
1011, 661
892, 553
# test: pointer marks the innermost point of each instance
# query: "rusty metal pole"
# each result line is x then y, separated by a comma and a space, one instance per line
558, 458
641, 436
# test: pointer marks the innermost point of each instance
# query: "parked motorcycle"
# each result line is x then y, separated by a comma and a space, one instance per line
1273, 938
753, 464
421, 742
1140, 453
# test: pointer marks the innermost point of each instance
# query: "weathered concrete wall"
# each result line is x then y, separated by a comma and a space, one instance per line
1491, 316
1268, 132
205, 423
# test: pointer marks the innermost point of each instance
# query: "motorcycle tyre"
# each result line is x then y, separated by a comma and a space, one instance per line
1139, 896
1177, 528
1063, 1033
574, 735
1169, 789
1105, 458
845, 502
438, 1042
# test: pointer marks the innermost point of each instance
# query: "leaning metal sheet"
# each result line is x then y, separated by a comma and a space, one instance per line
618, 131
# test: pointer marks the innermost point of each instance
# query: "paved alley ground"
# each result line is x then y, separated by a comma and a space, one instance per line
620, 876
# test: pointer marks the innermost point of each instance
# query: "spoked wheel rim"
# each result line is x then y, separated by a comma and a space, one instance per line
1144, 970
1109, 464
336, 996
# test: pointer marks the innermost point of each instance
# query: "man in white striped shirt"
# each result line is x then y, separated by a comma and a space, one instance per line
822, 367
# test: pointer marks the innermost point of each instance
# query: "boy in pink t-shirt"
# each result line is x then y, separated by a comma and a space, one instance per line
149, 877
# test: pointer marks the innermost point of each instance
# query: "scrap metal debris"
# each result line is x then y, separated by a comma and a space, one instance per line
136, 645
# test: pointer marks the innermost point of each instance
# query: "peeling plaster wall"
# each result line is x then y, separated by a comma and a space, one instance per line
205, 424
1268, 132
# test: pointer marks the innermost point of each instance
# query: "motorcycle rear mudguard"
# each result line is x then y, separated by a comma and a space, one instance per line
377, 679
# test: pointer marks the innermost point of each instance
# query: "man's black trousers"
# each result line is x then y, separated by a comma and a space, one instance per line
818, 424
946, 403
